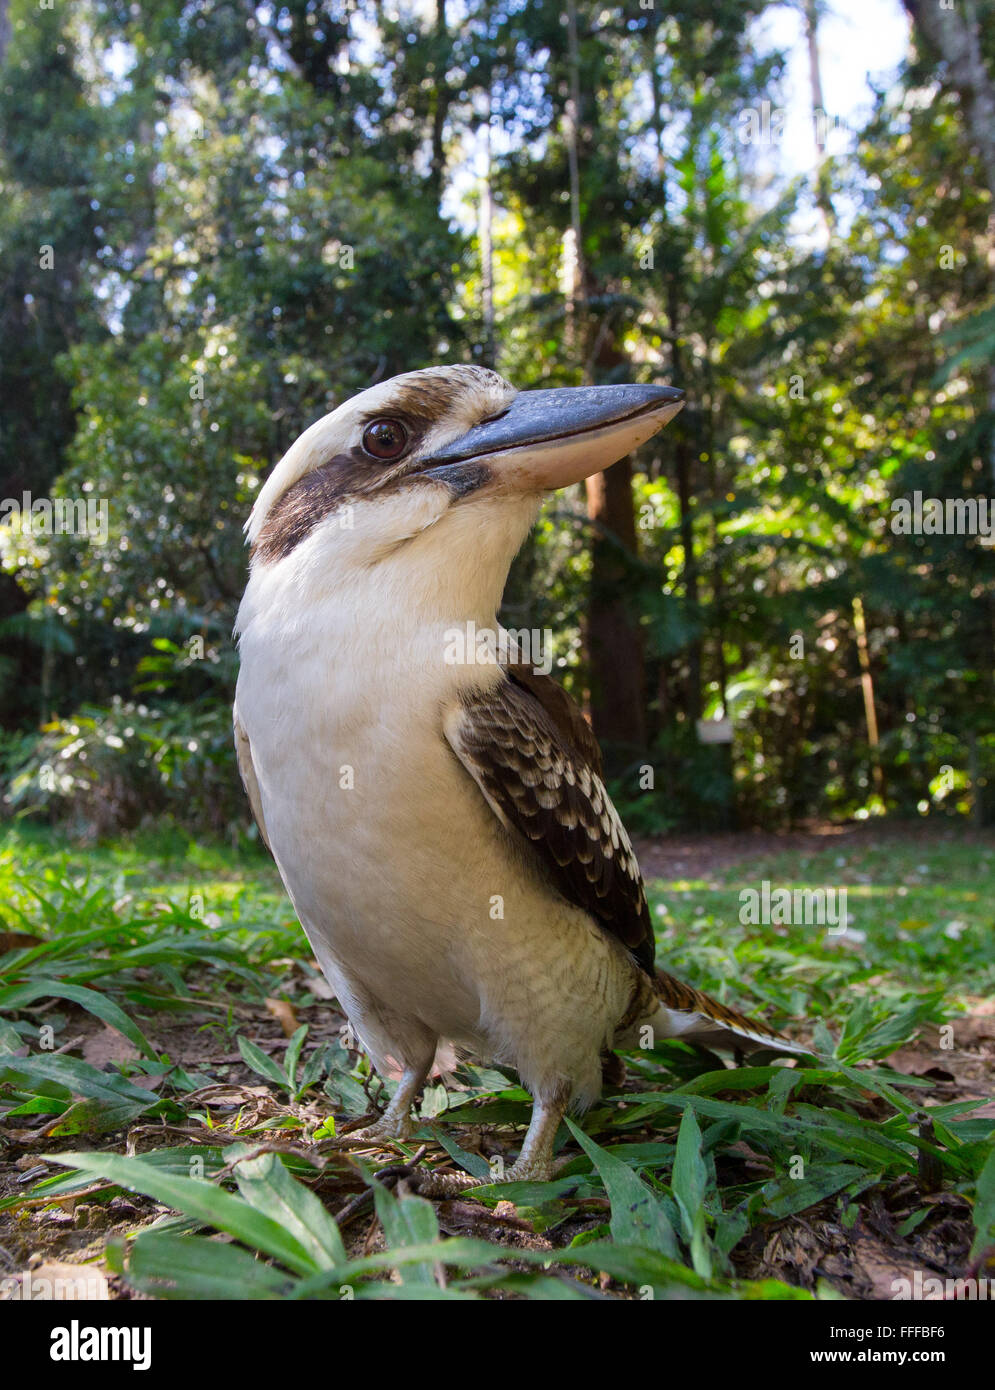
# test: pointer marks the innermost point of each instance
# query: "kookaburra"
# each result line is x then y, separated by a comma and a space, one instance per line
404, 794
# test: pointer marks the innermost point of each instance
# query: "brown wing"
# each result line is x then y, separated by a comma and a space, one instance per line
562, 710
243, 751
522, 750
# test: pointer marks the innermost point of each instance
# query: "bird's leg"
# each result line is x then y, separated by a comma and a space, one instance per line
535, 1162
395, 1122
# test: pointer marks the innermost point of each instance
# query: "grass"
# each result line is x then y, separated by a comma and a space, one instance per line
173, 1076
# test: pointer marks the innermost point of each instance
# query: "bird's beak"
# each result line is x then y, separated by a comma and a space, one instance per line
550, 439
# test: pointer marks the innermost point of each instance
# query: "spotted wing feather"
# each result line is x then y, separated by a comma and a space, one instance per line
539, 781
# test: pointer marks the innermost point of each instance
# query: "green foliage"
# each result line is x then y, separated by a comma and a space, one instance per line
129, 765
259, 1200
294, 1078
254, 220
250, 220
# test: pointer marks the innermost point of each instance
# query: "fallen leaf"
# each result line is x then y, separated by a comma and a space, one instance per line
284, 1015
108, 1046
319, 986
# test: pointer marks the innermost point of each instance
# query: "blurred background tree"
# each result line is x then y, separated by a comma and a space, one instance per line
253, 211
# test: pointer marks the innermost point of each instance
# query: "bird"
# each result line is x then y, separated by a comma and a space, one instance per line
441, 822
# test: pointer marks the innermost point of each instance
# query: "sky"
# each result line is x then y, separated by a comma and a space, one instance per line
858, 39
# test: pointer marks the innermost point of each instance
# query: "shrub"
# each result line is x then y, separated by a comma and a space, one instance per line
108, 769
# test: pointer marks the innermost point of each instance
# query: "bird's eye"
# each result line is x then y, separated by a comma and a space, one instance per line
385, 439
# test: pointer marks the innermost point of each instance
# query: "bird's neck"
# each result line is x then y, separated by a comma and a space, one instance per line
429, 574
456, 570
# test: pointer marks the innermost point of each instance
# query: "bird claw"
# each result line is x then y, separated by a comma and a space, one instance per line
452, 1184
386, 1129
431, 1184
528, 1172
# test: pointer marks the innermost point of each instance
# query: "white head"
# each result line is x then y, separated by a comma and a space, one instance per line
453, 445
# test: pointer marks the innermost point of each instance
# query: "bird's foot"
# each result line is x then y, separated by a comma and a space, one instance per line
389, 1128
429, 1184
529, 1170
395, 1124
452, 1184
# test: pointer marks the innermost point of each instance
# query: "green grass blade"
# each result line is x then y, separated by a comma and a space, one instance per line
17, 996
263, 1066
210, 1205
637, 1216
267, 1186
169, 1266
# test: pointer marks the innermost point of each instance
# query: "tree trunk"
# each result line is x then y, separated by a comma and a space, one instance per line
440, 107
488, 347
573, 249
870, 706
614, 642
683, 464
955, 35
618, 696
822, 194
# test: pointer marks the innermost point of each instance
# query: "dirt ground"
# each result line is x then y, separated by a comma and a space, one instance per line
703, 856
858, 1260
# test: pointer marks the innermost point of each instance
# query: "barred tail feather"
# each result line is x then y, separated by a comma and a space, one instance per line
694, 1017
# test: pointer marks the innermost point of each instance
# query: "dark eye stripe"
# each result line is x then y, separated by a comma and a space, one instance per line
294, 516
306, 503
356, 473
